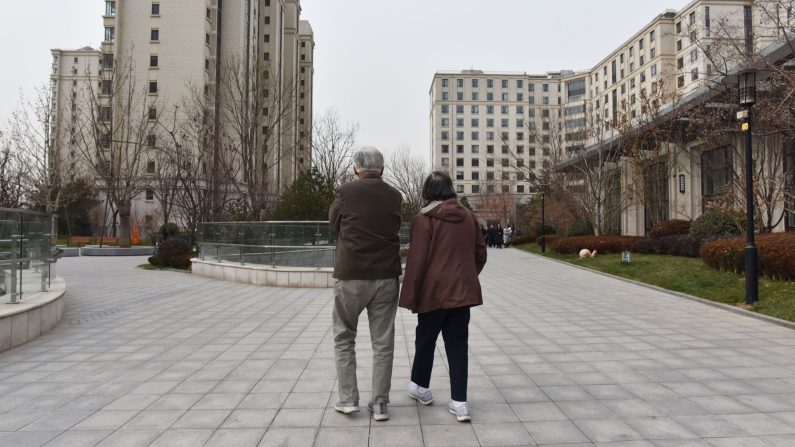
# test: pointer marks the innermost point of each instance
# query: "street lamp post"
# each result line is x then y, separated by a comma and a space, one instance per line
747, 97
543, 239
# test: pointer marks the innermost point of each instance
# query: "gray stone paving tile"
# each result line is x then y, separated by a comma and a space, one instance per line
555, 432
58, 420
737, 442
779, 441
201, 419
607, 430
28, 438
255, 419
235, 437
153, 420
343, 437
308, 417
585, 409
105, 420
289, 437
502, 434
659, 428
175, 402
78, 439
182, 438
627, 408
711, 426
540, 411
493, 413
395, 436
759, 424
449, 435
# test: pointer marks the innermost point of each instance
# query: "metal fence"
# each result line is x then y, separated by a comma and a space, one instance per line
27, 252
288, 244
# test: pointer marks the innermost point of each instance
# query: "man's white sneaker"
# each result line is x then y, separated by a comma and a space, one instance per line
420, 394
460, 410
380, 411
347, 407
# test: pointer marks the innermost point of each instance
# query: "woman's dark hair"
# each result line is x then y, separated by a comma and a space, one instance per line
438, 186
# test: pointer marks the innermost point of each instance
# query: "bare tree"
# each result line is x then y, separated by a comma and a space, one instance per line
12, 176
407, 172
258, 112
333, 144
115, 137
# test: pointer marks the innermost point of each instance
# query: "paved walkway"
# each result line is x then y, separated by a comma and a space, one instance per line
560, 356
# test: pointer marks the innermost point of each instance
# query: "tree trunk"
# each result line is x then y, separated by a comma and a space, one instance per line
124, 225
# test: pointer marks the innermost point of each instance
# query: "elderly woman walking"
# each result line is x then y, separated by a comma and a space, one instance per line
446, 254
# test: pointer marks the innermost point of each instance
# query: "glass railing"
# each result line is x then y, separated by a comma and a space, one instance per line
27, 254
287, 244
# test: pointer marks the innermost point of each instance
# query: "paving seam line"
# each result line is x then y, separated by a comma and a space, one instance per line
727, 307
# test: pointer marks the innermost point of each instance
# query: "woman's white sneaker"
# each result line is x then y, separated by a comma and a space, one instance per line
347, 407
460, 410
420, 394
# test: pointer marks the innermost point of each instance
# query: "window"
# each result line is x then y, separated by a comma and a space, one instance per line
520, 110
445, 162
106, 87
475, 122
150, 194
152, 86
490, 110
459, 148
475, 163
519, 123
489, 136
155, 35
489, 83
475, 83
107, 61
153, 61
519, 136
459, 96
110, 34
266, 20
460, 188
651, 36
505, 175
105, 114
679, 45
749, 33
475, 149
445, 83
490, 149
459, 83
504, 122
654, 70
531, 87
680, 63
640, 44
459, 122
545, 87
504, 110
459, 109
490, 122
520, 97
706, 21
150, 167
445, 109
653, 52
155, 9
445, 148
641, 60
110, 8
459, 162
152, 113
151, 140
692, 18
445, 122
459, 136
489, 96
207, 39
520, 189
716, 174
694, 55
504, 96
475, 136
445, 135
474, 96
209, 14
504, 83
642, 79
490, 163
545, 101
445, 96
694, 74
678, 27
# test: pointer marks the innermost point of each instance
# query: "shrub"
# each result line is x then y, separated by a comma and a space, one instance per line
550, 239
521, 240
776, 254
172, 253
674, 245
670, 228
580, 228
168, 230
715, 223
602, 244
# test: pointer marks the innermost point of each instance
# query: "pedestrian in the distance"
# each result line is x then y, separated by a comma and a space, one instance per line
498, 235
446, 254
506, 235
491, 236
366, 214
483, 232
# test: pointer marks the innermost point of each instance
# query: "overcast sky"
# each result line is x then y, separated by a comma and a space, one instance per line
375, 59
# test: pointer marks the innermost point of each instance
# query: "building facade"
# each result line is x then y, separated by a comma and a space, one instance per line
248, 62
492, 130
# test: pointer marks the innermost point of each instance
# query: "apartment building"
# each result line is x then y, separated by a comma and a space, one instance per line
487, 128
517, 117
73, 74
177, 49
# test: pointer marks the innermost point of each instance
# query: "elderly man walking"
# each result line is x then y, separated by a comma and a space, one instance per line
366, 214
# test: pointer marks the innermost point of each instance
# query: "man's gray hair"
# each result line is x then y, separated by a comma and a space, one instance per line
368, 160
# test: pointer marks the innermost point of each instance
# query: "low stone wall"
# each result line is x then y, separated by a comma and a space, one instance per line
35, 315
260, 275
117, 251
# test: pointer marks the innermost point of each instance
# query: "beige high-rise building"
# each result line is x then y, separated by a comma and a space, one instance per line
487, 127
250, 60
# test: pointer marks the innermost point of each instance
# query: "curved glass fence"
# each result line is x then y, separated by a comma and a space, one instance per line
27, 254
286, 244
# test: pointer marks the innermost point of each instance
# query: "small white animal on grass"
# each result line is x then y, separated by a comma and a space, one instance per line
585, 253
